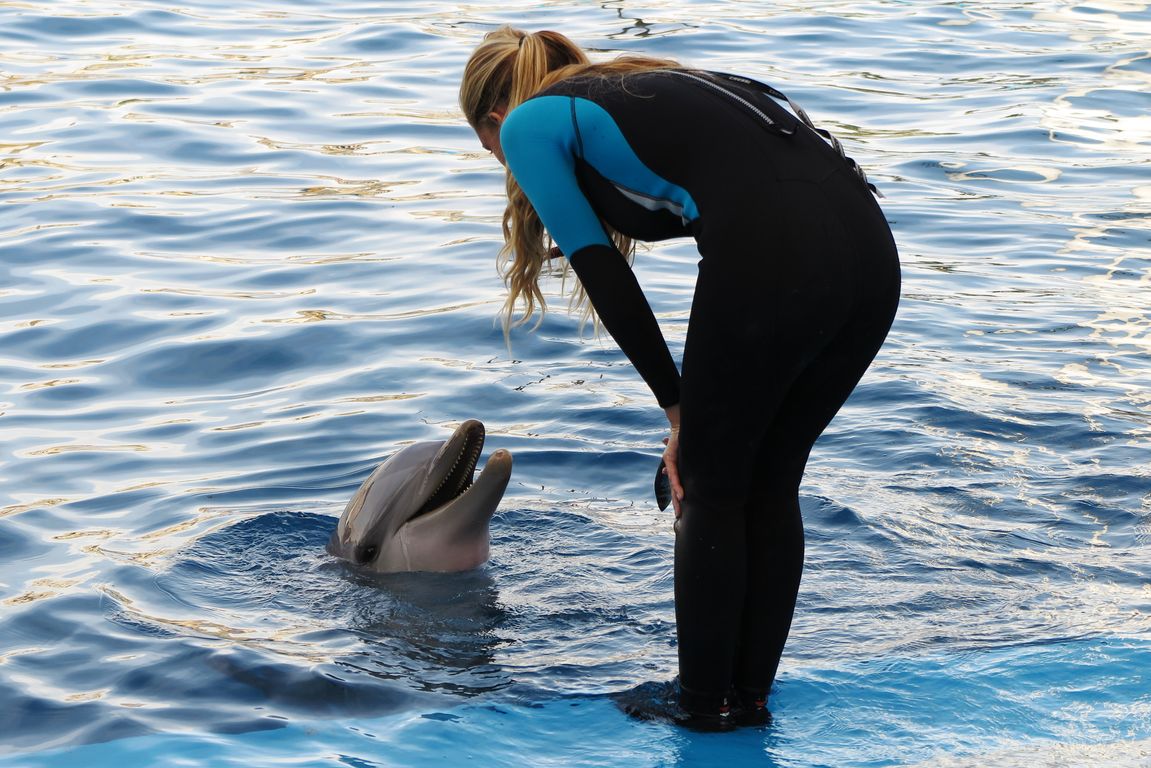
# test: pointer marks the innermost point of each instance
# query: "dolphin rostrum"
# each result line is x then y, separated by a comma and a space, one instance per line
421, 511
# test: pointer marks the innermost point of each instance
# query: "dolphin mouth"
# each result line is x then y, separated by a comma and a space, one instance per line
459, 476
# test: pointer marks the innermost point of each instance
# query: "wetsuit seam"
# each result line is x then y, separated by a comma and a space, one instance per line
575, 128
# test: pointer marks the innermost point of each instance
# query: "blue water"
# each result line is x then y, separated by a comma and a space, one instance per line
248, 250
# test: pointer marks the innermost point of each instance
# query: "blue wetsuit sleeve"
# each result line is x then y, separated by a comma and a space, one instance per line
540, 141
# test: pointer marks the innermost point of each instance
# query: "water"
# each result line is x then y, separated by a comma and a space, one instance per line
248, 250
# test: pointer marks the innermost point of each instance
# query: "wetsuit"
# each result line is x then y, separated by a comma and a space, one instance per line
797, 287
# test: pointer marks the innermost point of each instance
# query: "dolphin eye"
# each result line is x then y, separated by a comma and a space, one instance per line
367, 554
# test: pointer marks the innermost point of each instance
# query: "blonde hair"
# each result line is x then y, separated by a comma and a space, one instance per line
506, 69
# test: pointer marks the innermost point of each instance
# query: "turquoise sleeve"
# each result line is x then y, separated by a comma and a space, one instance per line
540, 145
542, 139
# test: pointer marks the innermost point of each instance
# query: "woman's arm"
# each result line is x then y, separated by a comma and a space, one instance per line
540, 142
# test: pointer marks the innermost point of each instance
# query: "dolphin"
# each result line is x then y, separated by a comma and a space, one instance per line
421, 511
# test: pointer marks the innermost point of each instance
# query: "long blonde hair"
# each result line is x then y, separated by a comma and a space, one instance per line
509, 67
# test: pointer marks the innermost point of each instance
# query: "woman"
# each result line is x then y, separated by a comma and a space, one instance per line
798, 284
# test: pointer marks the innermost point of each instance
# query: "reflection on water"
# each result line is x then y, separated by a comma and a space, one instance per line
248, 250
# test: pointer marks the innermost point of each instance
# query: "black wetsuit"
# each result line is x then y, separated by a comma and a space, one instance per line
798, 285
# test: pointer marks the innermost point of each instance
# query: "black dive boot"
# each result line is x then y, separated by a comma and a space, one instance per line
749, 708
669, 703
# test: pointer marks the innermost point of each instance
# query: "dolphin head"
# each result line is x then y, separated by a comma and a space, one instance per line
421, 510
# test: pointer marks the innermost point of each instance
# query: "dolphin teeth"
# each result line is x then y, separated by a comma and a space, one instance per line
458, 479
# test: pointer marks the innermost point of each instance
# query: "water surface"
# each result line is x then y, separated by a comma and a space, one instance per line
248, 250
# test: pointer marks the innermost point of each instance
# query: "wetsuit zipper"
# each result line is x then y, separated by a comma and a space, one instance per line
773, 125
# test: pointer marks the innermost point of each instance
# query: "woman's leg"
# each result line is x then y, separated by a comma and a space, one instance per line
778, 338
774, 531
740, 358
774, 526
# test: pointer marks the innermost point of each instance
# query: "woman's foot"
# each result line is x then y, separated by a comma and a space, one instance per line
749, 708
666, 703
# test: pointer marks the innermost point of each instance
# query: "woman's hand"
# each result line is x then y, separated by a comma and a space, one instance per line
670, 456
